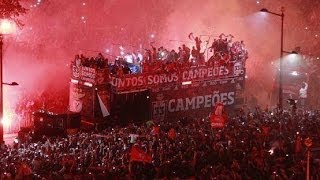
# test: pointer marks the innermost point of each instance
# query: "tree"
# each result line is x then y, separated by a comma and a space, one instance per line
12, 9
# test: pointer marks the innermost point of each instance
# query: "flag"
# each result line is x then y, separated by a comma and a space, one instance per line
137, 154
298, 144
231, 36
222, 35
172, 134
24, 170
265, 130
191, 36
103, 107
156, 130
218, 117
217, 121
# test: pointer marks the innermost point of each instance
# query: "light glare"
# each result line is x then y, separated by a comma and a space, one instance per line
186, 82
88, 84
294, 73
6, 122
74, 81
7, 27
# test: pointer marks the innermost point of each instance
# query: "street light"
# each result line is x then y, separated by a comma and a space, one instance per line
292, 52
264, 10
281, 53
11, 84
6, 27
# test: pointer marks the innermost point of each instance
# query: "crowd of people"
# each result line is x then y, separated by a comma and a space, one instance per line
223, 51
257, 144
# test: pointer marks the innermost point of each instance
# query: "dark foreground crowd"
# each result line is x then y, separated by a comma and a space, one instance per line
253, 145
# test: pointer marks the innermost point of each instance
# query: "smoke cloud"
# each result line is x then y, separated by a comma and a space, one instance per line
39, 54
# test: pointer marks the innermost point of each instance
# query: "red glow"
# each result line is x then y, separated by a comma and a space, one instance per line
52, 35
9, 120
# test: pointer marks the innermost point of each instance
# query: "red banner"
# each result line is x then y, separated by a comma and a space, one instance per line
156, 130
172, 134
138, 154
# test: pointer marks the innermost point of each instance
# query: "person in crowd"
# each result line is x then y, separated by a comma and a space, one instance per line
224, 45
292, 103
226, 59
198, 44
303, 94
214, 46
126, 69
147, 57
186, 53
139, 57
77, 60
194, 54
172, 56
100, 61
99, 57
180, 54
154, 54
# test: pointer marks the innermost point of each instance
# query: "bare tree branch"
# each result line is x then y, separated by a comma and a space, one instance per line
12, 9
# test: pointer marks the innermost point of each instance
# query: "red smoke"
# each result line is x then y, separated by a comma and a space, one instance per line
37, 56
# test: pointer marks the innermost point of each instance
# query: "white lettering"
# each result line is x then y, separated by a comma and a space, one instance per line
210, 72
190, 103
170, 105
179, 105
231, 98
224, 98
200, 100
197, 102
207, 101
215, 98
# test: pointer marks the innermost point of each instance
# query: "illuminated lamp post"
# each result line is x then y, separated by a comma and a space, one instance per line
281, 53
6, 27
